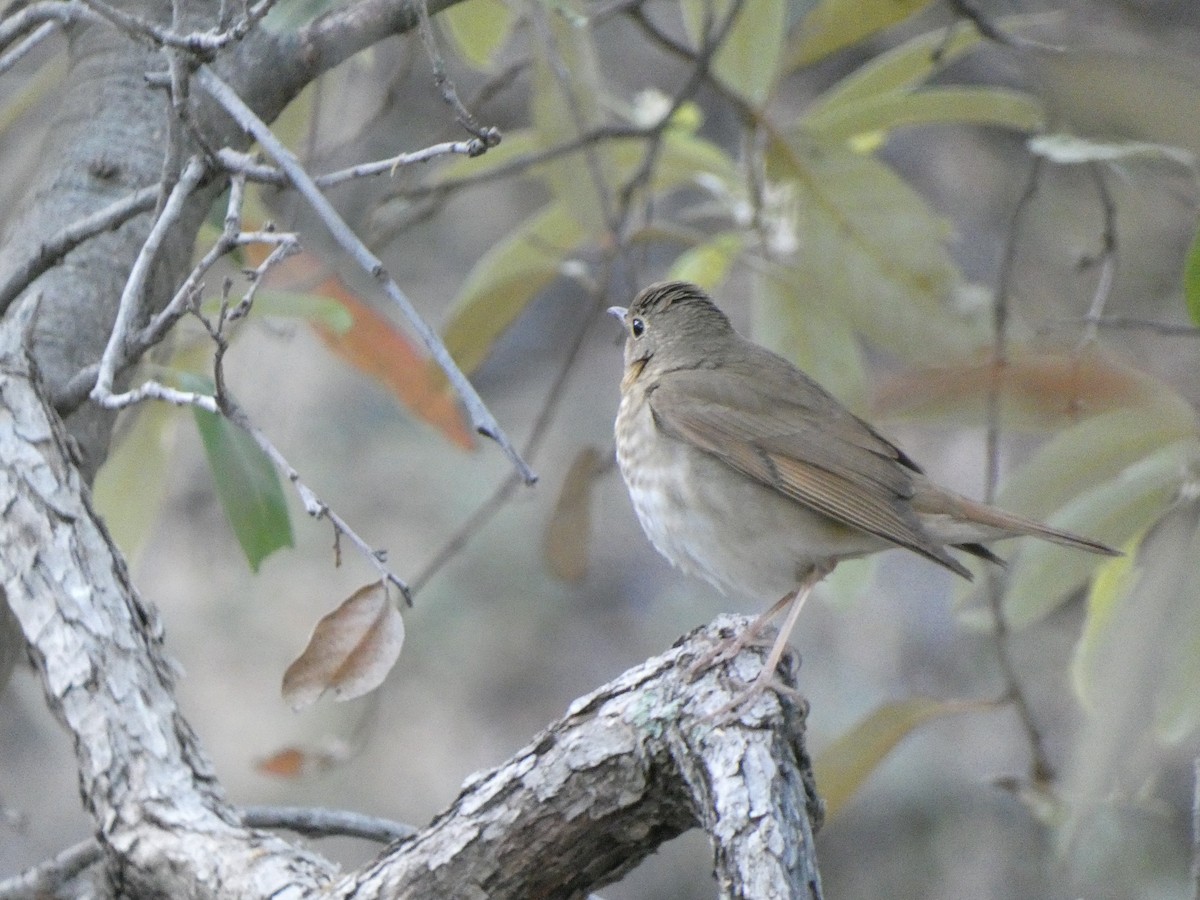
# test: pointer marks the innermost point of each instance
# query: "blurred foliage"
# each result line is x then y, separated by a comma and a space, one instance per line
846, 263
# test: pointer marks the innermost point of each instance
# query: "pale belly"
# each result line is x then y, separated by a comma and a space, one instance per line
710, 521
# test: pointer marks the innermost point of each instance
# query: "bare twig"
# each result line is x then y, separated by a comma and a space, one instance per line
131, 296
1107, 258
481, 418
17, 53
254, 170
202, 43
1166, 329
46, 878
315, 822
31, 17
1040, 768
488, 136
1195, 870
51, 251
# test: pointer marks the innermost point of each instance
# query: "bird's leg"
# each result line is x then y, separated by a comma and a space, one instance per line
796, 599
731, 646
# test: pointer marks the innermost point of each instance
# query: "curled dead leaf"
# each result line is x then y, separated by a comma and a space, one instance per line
568, 532
351, 649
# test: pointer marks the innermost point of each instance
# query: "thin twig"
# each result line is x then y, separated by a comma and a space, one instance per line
47, 878
254, 170
1166, 329
481, 418
1195, 872
488, 136
201, 43
17, 53
1107, 258
31, 17
51, 251
316, 822
131, 296
1041, 770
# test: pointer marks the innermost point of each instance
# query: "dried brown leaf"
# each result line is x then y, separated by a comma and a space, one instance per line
568, 532
350, 651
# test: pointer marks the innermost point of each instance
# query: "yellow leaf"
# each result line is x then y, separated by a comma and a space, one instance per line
351, 649
834, 24
843, 766
505, 280
933, 106
131, 484
708, 264
479, 28
748, 58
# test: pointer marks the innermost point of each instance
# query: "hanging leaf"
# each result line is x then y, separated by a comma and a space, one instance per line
562, 109
479, 28
1138, 659
1044, 575
302, 286
1191, 279
881, 114
872, 253
842, 767
503, 282
708, 264
812, 336
1036, 390
131, 484
246, 481
748, 58
375, 346
834, 24
351, 649
568, 533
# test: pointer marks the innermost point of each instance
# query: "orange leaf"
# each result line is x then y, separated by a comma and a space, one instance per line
376, 347
350, 651
1037, 390
296, 762
373, 345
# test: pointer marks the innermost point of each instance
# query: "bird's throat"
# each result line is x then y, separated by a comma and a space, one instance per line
632, 372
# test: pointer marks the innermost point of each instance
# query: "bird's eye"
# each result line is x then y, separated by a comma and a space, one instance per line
638, 327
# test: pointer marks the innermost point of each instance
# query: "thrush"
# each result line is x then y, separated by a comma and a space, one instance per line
746, 472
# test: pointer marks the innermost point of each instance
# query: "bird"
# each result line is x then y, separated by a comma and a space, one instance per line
744, 471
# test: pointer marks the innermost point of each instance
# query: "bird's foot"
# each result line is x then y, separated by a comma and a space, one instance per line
767, 680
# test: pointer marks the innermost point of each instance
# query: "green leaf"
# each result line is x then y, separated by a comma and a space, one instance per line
130, 486
872, 253
834, 24
810, 335
246, 481
747, 59
479, 28
1044, 575
505, 280
897, 70
842, 767
563, 108
708, 264
932, 106
1093, 451
1191, 279
1137, 662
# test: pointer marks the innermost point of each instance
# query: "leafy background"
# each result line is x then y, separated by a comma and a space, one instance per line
867, 269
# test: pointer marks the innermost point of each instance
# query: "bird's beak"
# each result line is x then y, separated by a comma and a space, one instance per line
618, 312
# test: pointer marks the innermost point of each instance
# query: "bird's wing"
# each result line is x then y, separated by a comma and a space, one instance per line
802, 444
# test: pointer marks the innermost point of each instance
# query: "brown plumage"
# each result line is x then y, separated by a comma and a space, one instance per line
745, 471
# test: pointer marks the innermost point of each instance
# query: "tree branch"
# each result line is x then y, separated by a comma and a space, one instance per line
630, 766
